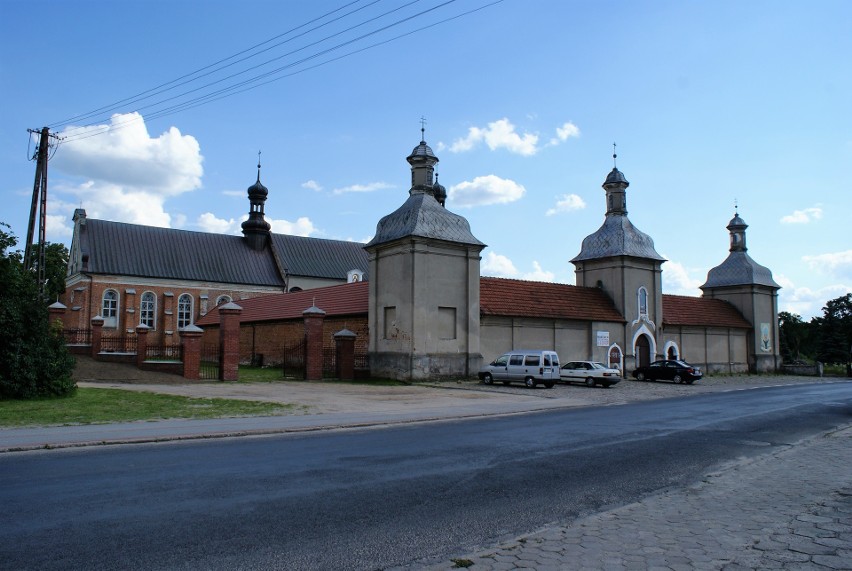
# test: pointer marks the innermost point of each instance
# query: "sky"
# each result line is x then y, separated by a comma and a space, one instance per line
162, 107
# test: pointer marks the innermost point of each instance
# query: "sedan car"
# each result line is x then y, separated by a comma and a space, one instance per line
668, 370
589, 372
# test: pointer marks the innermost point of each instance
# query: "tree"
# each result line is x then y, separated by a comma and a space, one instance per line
835, 332
796, 337
34, 361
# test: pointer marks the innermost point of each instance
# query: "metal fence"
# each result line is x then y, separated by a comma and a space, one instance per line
166, 352
293, 359
118, 344
77, 336
209, 368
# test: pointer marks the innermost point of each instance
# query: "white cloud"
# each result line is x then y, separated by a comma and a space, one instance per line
498, 135
803, 216
567, 203
209, 223
838, 262
301, 227
538, 274
484, 190
498, 266
371, 187
804, 301
312, 185
565, 132
678, 280
128, 174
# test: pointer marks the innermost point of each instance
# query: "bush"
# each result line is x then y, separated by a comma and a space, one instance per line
34, 361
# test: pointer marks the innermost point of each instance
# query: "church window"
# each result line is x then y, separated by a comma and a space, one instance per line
643, 302
223, 299
184, 314
109, 308
148, 309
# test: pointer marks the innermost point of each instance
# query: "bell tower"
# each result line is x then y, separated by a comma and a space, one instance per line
256, 228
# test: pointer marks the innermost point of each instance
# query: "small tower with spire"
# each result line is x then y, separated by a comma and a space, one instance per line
256, 228
422, 161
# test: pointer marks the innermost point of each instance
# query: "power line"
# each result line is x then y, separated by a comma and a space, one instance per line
258, 80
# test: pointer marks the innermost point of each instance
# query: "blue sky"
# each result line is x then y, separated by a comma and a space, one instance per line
710, 103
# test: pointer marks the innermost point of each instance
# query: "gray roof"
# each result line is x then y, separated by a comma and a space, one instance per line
617, 237
421, 215
315, 257
116, 248
739, 269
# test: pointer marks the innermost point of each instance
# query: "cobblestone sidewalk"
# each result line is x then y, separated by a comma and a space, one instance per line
790, 509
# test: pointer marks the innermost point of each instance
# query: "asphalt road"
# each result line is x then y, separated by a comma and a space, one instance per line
369, 499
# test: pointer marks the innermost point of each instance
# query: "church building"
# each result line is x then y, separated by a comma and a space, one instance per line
426, 312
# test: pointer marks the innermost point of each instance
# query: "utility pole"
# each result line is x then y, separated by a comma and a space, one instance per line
39, 204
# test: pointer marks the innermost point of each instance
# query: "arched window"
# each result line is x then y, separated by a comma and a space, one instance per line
222, 299
184, 313
148, 309
643, 302
109, 308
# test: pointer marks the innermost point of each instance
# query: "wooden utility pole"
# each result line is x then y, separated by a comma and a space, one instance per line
39, 204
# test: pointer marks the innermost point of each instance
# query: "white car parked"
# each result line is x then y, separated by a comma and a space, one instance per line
590, 373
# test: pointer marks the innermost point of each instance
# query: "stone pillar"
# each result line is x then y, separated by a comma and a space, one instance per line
190, 339
229, 341
97, 333
141, 344
314, 317
345, 354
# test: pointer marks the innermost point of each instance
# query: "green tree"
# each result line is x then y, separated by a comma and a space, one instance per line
34, 361
796, 337
55, 266
835, 332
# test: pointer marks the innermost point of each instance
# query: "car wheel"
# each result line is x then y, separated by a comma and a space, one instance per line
677, 379
487, 379
640, 376
549, 385
529, 382
590, 382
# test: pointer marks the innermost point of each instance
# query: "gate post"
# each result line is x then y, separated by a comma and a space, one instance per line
97, 333
57, 313
190, 339
314, 317
229, 341
141, 344
344, 342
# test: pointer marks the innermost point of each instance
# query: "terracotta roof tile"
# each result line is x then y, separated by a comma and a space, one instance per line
701, 311
519, 298
336, 300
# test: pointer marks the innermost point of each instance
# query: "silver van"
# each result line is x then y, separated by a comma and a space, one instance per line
530, 367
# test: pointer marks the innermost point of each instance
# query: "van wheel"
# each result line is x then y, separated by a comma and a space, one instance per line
487, 379
549, 385
529, 382
590, 382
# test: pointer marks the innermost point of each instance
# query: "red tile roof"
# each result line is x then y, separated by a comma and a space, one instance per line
519, 298
701, 311
342, 299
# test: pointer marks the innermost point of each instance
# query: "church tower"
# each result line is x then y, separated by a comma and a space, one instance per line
256, 228
622, 261
749, 287
424, 284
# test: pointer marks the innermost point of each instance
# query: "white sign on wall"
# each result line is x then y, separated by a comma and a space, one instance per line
603, 338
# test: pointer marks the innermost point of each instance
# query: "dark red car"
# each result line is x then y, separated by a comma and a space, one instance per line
669, 370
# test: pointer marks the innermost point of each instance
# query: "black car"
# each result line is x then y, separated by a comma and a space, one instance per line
668, 370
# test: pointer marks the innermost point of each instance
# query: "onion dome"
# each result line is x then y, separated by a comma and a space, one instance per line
439, 191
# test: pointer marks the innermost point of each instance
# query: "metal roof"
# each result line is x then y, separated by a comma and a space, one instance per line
319, 258
739, 269
617, 237
421, 215
116, 248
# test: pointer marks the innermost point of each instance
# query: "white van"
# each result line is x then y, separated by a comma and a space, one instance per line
530, 367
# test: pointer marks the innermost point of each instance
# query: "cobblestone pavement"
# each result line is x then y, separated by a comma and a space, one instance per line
787, 510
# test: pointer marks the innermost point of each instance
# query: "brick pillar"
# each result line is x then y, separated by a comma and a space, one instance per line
190, 339
345, 354
229, 341
57, 313
141, 344
97, 332
314, 317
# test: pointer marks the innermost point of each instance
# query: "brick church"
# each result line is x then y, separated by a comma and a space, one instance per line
425, 311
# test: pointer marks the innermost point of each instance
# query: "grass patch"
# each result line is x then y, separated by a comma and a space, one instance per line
98, 406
